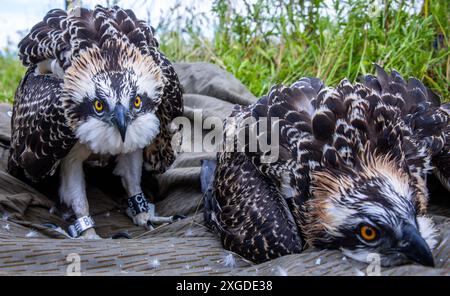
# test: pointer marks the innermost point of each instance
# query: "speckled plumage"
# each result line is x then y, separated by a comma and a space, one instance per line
356, 153
97, 85
42, 123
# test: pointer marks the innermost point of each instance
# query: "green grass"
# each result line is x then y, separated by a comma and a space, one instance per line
280, 41
266, 42
11, 71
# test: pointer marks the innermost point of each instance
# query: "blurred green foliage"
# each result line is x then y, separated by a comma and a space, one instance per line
266, 42
11, 71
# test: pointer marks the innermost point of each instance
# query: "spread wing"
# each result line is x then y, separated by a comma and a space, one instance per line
40, 135
59, 38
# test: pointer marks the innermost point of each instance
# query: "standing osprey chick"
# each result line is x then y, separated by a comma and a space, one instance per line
96, 85
350, 174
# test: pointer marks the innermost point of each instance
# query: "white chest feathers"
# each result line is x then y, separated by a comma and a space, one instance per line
104, 138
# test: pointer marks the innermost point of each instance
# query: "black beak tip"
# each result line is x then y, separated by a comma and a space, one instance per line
122, 135
417, 249
428, 261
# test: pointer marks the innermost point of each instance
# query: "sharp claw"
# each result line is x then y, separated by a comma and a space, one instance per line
178, 217
162, 220
120, 235
50, 225
150, 225
89, 234
149, 219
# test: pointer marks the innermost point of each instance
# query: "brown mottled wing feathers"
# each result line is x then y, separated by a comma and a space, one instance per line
251, 205
251, 216
336, 129
428, 120
40, 135
441, 160
160, 154
61, 35
45, 40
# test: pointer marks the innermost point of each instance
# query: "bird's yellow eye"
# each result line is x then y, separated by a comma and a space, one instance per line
98, 106
368, 233
137, 102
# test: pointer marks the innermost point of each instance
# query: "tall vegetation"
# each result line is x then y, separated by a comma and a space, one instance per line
266, 42
11, 72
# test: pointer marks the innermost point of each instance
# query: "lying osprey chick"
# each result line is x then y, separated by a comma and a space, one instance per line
351, 171
96, 85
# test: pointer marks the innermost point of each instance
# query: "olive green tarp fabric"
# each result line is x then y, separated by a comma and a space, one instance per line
186, 247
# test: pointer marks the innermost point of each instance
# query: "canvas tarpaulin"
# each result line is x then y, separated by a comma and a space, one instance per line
29, 247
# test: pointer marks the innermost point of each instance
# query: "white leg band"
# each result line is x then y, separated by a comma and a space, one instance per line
80, 225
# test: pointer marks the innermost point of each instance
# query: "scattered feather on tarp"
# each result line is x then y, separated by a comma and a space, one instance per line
358, 272
154, 263
318, 261
62, 231
31, 234
189, 232
280, 271
229, 260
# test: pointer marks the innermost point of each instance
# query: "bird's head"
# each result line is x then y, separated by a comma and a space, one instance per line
111, 94
369, 211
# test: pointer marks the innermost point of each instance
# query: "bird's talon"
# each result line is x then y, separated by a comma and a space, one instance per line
150, 225
89, 234
176, 218
121, 235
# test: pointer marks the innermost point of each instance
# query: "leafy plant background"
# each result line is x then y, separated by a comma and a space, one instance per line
267, 42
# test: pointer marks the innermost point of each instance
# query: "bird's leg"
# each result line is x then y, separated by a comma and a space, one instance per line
129, 167
72, 190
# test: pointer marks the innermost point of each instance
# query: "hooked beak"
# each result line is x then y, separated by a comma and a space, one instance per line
415, 248
120, 120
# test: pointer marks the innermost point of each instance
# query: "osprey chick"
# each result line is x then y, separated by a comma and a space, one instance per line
96, 85
350, 174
